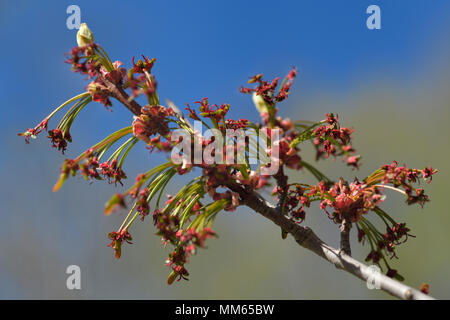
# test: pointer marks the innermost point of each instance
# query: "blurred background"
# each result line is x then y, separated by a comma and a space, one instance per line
392, 85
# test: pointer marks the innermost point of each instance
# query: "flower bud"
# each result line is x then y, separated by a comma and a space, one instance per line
171, 278
84, 35
260, 103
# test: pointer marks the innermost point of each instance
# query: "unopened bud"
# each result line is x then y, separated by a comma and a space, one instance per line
171, 278
84, 35
260, 103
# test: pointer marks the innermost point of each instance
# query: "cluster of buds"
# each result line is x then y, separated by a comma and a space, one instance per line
153, 120
99, 88
184, 240
266, 90
160, 145
265, 96
289, 154
425, 288
383, 245
294, 201
59, 139
99, 93
117, 238
214, 112
144, 82
331, 139
236, 124
349, 200
33, 132
90, 59
167, 226
188, 241
217, 177
91, 169
402, 177
142, 205
82, 62
112, 171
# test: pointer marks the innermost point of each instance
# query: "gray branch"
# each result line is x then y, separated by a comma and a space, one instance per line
345, 228
305, 237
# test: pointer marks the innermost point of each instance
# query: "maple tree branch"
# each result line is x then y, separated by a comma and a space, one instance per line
119, 93
304, 236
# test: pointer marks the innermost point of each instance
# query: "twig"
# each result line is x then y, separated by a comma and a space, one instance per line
345, 228
119, 93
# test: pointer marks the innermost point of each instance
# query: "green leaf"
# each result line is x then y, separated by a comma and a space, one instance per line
305, 135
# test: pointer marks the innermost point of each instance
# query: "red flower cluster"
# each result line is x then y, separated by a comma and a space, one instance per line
267, 89
112, 172
185, 241
142, 206
153, 120
139, 181
117, 239
59, 139
90, 166
188, 240
425, 288
400, 176
167, 226
143, 66
156, 143
82, 62
208, 111
289, 155
331, 139
108, 170
99, 93
349, 201
219, 177
144, 83
294, 195
33, 132
236, 124
393, 236
99, 90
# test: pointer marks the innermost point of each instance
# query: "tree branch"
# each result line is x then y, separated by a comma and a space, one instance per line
345, 228
304, 236
119, 93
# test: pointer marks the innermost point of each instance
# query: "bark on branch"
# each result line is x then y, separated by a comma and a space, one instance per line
119, 93
345, 228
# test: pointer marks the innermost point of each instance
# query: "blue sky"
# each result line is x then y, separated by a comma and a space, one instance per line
209, 48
